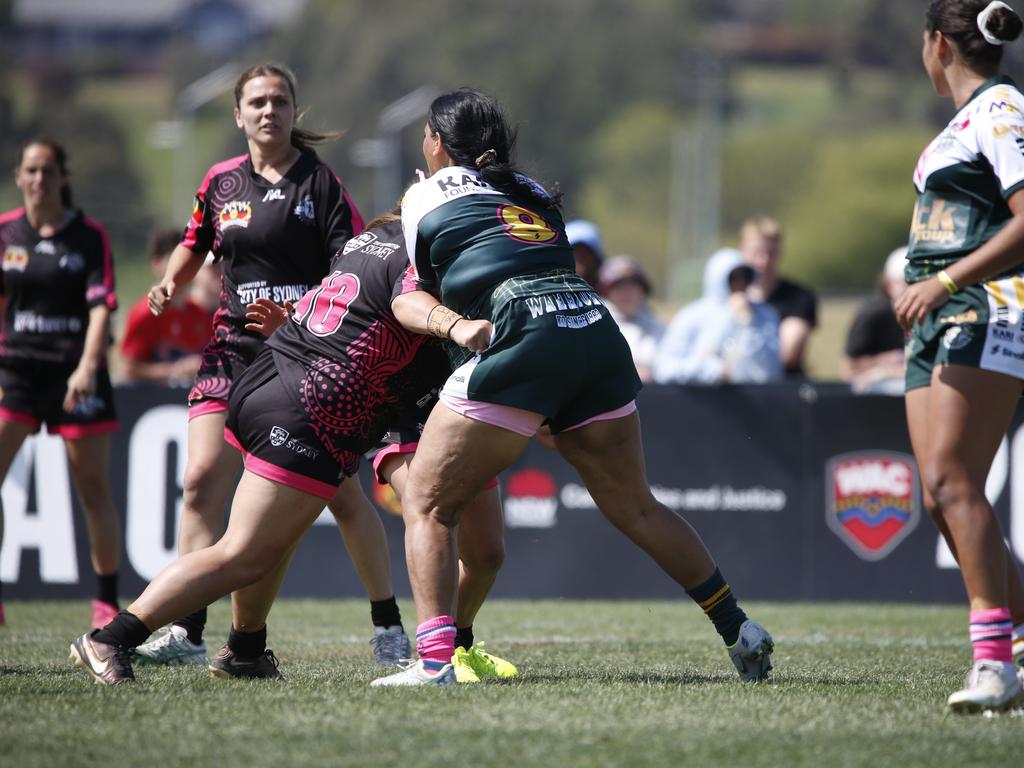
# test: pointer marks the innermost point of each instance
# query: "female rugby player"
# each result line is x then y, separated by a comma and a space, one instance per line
965, 356
58, 293
274, 217
491, 244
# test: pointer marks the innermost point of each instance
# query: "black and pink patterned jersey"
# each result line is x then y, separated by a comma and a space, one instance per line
275, 242
49, 284
345, 356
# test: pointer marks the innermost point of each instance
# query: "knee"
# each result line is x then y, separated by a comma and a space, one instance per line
243, 566
949, 487
418, 509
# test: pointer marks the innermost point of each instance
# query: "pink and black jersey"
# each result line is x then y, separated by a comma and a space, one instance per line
49, 284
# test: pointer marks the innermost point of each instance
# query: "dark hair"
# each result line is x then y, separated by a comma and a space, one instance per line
301, 138
958, 20
163, 241
60, 155
385, 218
475, 134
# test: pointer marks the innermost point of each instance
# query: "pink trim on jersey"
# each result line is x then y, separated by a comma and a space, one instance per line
108, 262
17, 213
281, 475
205, 406
618, 413
189, 238
78, 431
518, 420
399, 450
409, 281
20, 418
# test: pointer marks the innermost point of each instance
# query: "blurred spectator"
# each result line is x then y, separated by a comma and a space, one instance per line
585, 239
724, 336
761, 245
626, 289
874, 345
165, 348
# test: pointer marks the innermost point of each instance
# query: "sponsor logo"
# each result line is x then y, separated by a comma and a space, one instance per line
273, 194
871, 501
452, 185
15, 258
72, 262
970, 316
1003, 105
530, 500
358, 242
305, 211
716, 498
1003, 316
30, 322
1002, 335
46, 247
237, 213
939, 223
578, 321
561, 302
957, 337
278, 436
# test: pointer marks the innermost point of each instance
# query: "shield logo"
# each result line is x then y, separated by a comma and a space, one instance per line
872, 500
278, 436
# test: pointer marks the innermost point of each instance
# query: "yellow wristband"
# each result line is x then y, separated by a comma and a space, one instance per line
947, 282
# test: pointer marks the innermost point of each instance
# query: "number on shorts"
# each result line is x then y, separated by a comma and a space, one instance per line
525, 226
323, 310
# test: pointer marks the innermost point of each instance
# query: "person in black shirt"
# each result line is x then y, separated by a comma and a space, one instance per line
57, 287
760, 244
874, 344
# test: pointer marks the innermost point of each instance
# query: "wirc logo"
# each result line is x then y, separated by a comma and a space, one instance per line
531, 500
871, 501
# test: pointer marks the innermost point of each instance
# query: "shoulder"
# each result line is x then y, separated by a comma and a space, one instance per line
219, 169
10, 217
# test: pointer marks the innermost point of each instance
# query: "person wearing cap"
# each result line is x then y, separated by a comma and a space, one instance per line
723, 337
626, 289
874, 344
587, 249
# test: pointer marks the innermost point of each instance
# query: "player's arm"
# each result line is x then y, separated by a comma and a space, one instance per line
82, 382
420, 312
181, 268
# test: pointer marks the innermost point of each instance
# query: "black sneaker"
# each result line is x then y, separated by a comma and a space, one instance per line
108, 664
227, 665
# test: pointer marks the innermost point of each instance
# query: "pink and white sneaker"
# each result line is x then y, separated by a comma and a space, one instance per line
102, 614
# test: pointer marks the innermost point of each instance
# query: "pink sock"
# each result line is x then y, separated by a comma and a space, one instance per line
990, 634
435, 642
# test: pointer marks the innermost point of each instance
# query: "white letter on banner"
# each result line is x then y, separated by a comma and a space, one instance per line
147, 477
50, 529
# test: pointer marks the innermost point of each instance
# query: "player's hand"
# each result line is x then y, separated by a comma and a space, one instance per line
474, 335
160, 296
266, 317
81, 386
918, 300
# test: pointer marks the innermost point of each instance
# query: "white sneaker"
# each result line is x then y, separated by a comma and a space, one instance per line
390, 646
415, 674
751, 654
171, 647
994, 685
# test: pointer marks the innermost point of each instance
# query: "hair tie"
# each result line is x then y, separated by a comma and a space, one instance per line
983, 18
487, 158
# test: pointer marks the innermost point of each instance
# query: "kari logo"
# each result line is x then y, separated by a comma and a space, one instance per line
15, 258
237, 213
871, 501
273, 194
278, 436
358, 242
531, 500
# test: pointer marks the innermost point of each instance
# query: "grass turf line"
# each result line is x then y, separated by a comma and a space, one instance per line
604, 684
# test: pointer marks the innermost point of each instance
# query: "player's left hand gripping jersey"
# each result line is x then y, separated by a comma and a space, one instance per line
275, 240
964, 178
50, 284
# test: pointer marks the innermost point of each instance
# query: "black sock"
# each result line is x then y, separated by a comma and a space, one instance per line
125, 630
106, 588
716, 599
194, 624
385, 613
464, 637
247, 645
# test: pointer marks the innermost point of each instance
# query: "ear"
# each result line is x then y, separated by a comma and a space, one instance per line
238, 118
944, 49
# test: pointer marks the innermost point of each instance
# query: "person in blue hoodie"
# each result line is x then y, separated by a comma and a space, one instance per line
723, 337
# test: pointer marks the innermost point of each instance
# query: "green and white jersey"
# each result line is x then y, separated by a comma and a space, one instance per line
464, 238
964, 178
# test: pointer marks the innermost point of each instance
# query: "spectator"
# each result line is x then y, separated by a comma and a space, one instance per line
724, 336
874, 345
626, 289
760, 243
587, 249
164, 348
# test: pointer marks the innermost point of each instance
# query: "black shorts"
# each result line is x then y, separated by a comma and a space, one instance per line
224, 361
283, 441
32, 392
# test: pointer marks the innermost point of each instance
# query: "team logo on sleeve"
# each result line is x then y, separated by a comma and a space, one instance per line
237, 213
871, 501
198, 209
15, 258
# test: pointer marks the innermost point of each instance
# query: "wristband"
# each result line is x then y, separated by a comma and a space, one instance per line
441, 320
948, 282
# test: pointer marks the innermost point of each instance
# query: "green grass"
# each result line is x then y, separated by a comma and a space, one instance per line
603, 684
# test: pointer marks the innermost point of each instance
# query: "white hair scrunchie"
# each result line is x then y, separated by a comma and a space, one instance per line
983, 18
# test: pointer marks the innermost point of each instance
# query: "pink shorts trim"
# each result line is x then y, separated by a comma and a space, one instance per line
281, 475
518, 420
398, 450
204, 406
78, 431
618, 413
20, 418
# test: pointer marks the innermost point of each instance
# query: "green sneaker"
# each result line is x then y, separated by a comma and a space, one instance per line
475, 664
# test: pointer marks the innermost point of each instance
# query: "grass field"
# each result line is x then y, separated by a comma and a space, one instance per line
603, 684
